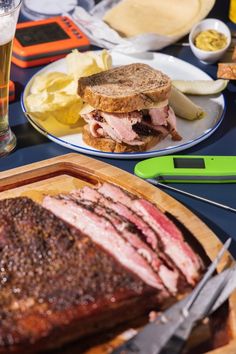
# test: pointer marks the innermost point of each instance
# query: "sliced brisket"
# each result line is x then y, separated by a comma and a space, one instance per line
121, 209
168, 234
131, 127
102, 232
57, 284
132, 228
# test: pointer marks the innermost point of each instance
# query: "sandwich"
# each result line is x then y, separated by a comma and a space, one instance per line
127, 108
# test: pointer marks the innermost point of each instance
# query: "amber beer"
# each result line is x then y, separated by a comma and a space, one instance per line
5, 61
9, 11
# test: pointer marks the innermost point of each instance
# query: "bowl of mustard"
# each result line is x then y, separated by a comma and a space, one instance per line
209, 40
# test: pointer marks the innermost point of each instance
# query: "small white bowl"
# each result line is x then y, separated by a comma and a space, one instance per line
205, 56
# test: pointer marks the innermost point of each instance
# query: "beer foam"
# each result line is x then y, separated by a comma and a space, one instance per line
7, 28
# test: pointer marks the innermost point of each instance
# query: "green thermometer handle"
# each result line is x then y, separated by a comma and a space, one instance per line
191, 169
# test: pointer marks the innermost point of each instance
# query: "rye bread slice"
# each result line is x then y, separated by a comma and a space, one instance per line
125, 88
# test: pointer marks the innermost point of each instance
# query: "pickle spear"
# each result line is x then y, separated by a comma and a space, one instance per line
200, 87
184, 107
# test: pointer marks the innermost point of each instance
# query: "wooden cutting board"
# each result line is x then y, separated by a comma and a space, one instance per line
65, 173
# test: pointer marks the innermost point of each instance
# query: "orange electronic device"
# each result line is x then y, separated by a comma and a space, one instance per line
11, 91
41, 42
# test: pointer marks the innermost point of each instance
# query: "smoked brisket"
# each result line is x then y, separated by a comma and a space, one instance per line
84, 262
56, 284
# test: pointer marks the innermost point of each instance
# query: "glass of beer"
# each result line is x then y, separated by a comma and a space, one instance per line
9, 12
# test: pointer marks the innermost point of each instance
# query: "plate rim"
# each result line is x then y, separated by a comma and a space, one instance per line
116, 155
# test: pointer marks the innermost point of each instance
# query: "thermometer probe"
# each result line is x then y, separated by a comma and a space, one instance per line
196, 169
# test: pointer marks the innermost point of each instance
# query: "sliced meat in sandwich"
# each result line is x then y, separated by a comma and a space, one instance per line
127, 108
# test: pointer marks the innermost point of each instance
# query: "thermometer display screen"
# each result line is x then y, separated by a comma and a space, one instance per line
189, 163
40, 34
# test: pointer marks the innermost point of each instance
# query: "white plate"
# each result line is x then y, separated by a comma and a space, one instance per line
192, 132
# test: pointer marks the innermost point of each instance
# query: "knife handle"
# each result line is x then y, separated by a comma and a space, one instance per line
178, 340
173, 346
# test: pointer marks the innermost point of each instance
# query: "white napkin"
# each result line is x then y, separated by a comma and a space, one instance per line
101, 35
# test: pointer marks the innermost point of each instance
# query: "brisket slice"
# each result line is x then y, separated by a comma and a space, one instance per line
168, 234
92, 194
130, 226
102, 232
56, 284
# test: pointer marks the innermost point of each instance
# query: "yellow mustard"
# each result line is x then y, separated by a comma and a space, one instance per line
210, 40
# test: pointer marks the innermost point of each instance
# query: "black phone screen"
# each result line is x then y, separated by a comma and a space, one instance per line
47, 33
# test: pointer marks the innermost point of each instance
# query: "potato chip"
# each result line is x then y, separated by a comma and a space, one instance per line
72, 88
38, 102
81, 64
69, 114
86, 64
103, 59
62, 106
54, 95
54, 81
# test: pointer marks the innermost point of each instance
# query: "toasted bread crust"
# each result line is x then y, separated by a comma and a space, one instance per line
226, 71
125, 89
109, 145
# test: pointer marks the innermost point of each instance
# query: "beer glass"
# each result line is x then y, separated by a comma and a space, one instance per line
9, 11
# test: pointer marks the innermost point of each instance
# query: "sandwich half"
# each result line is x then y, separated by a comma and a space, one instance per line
127, 108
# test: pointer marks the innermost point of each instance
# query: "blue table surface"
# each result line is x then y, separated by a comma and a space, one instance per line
32, 146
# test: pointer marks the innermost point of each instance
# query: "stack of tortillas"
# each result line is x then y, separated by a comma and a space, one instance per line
165, 17
137, 26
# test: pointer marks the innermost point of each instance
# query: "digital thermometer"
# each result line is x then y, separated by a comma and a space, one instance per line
41, 42
191, 169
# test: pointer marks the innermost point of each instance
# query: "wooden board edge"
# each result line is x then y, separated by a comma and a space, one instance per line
208, 240
35, 165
